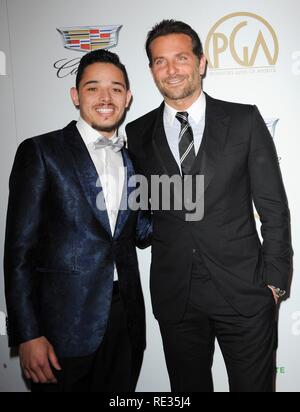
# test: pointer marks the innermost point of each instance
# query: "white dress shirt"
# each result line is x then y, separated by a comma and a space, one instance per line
110, 168
173, 126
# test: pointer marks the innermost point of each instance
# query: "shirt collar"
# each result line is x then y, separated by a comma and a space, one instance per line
88, 134
196, 111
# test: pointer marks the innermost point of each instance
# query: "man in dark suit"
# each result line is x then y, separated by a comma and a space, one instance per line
212, 278
74, 298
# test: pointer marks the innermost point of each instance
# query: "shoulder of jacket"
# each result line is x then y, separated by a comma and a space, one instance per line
146, 119
232, 107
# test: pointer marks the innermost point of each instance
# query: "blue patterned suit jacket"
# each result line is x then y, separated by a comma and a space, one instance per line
60, 252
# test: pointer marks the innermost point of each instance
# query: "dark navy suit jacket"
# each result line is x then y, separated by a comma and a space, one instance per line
60, 252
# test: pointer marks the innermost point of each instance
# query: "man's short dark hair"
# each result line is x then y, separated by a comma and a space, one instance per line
100, 56
166, 27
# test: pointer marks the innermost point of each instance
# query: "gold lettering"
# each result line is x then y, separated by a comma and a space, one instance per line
261, 42
234, 54
219, 48
219, 42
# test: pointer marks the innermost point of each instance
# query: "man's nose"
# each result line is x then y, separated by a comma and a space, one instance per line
105, 96
171, 68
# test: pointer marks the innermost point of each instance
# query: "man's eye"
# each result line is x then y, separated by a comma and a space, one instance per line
116, 90
92, 89
159, 62
182, 58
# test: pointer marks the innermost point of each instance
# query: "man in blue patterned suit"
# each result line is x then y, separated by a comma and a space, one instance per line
74, 299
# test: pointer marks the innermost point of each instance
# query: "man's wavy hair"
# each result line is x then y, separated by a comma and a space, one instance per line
166, 27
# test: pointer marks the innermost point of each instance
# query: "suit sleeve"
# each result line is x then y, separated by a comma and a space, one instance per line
130, 138
27, 189
271, 203
144, 229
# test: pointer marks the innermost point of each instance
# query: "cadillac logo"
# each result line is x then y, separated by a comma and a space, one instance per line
87, 39
84, 39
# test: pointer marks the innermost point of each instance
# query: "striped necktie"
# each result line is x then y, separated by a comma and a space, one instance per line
186, 143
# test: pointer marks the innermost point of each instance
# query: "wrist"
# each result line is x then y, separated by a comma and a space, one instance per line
279, 293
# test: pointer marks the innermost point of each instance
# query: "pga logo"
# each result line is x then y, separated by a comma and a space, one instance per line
241, 40
2, 63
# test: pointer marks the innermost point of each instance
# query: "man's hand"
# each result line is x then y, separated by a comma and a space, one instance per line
35, 356
274, 294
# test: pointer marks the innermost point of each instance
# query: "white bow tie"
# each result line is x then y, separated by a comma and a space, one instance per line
116, 143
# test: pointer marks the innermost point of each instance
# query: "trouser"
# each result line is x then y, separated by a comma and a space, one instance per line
110, 369
247, 344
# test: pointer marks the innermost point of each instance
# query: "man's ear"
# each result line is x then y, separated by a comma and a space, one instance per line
151, 70
202, 66
128, 98
75, 97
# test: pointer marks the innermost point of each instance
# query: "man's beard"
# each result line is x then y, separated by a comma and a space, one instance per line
188, 90
111, 128
106, 129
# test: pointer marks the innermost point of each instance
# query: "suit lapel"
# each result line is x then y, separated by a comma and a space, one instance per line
214, 139
87, 175
161, 146
210, 153
129, 187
